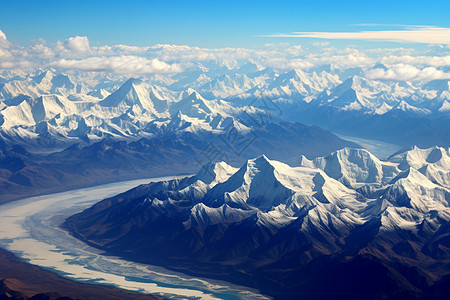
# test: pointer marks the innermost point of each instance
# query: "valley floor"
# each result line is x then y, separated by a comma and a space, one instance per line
28, 280
29, 228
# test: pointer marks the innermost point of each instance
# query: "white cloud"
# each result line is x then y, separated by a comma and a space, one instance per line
118, 64
5, 53
76, 53
41, 51
11, 64
78, 44
119, 49
402, 72
295, 50
435, 61
427, 35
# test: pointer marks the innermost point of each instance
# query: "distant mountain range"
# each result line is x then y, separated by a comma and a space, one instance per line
24, 173
52, 109
327, 229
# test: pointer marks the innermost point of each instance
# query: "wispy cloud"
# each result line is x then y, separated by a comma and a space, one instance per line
412, 34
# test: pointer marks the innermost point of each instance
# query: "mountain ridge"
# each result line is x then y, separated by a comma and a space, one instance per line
301, 210
123, 106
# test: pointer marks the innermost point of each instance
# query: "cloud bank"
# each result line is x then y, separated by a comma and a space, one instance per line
118, 64
403, 72
78, 54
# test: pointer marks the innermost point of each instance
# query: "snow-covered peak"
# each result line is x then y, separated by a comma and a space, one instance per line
255, 184
347, 95
203, 93
434, 163
384, 108
349, 83
445, 107
192, 104
352, 180
417, 157
45, 77
360, 85
353, 167
179, 123
100, 93
295, 75
191, 94
298, 83
250, 68
48, 106
135, 92
414, 190
274, 187
406, 107
213, 173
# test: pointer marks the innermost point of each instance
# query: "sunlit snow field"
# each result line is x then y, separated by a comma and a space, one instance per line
30, 229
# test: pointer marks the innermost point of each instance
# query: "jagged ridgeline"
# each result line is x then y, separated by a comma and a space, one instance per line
47, 107
338, 226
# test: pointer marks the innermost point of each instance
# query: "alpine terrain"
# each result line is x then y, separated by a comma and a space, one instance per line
326, 229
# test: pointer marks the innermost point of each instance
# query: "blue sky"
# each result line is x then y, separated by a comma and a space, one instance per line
211, 23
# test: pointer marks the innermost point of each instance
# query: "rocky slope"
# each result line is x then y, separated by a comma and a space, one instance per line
282, 229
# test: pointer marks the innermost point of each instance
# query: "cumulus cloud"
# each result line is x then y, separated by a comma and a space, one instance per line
76, 53
402, 72
417, 34
78, 44
73, 47
118, 64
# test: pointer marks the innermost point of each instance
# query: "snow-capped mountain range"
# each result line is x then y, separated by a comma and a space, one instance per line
255, 220
91, 106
